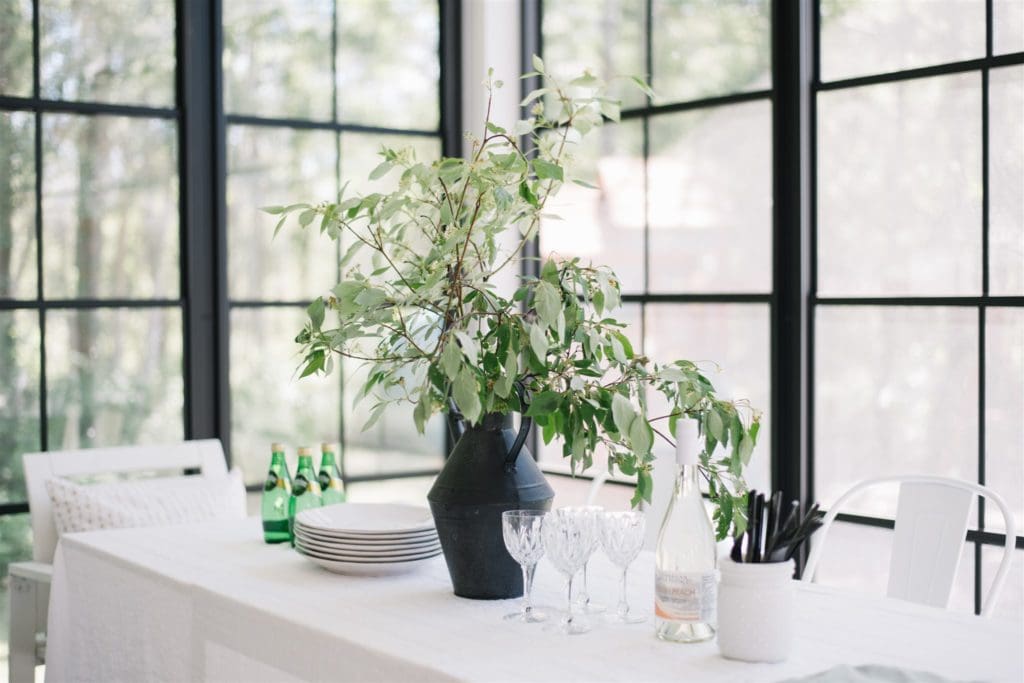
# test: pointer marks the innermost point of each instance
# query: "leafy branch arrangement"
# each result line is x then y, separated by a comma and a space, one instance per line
417, 303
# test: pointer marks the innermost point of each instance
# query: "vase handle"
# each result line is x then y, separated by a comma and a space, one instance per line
524, 431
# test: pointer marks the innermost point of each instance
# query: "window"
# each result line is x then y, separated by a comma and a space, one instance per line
683, 213
311, 92
91, 301
917, 302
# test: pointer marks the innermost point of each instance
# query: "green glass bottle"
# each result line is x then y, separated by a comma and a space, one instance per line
331, 486
305, 489
277, 491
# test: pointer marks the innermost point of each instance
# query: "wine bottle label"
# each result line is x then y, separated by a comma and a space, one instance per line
272, 481
689, 596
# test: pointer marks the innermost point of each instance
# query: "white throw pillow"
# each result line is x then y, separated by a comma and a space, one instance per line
151, 502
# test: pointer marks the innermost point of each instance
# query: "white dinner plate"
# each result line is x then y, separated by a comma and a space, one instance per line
368, 519
359, 547
363, 552
369, 569
365, 541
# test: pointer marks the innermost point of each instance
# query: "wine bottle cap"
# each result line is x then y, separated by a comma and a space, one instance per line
687, 442
326, 447
277, 448
305, 450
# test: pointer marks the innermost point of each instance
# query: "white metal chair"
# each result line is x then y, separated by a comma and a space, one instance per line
30, 581
932, 514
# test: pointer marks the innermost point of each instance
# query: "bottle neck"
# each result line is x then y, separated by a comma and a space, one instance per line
688, 481
305, 462
327, 460
277, 461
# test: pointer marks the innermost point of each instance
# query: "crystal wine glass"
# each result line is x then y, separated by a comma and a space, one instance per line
521, 530
568, 536
622, 536
593, 513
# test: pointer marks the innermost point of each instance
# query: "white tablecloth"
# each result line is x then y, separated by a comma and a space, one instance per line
213, 602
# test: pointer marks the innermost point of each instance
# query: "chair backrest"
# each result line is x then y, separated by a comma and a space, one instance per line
206, 455
932, 514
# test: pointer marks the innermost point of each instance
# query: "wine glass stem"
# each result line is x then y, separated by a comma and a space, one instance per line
623, 609
568, 606
585, 594
528, 588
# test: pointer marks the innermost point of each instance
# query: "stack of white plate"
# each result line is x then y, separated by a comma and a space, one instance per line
367, 538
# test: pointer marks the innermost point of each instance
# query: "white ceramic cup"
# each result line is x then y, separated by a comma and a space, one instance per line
755, 611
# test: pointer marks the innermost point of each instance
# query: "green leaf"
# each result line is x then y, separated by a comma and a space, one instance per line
714, 425
375, 415
754, 428
723, 516
641, 436
546, 170
465, 391
371, 297
306, 217
421, 412
642, 84
381, 170
468, 345
315, 310
451, 360
538, 341
548, 302
526, 193
584, 183
618, 352
538, 64
644, 484
273, 210
623, 413
544, 403
746, 449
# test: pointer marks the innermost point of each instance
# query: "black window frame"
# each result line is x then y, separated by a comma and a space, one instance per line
796, 83
201, 121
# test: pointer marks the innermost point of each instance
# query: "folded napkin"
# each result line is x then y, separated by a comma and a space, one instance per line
870, 673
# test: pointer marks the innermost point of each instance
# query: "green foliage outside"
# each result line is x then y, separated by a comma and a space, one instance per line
417, 302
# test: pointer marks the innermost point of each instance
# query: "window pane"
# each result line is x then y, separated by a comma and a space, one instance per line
110, 201
16, 47
114, 376
277, 58
15, 546
1008, 26
703, 48
17, 206
278, 166
268, 401
899, 188
604, 226
1006, 180
108, 50
710, 200
388, 66
876, 36
550, 454
606, 36
360, 154
391, 445
1004, 407
895, 393
731, 342
19, 398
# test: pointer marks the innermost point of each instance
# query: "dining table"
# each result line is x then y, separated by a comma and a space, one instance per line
213, 602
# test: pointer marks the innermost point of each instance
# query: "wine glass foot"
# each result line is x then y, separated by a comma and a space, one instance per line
532, 617
628, 618
575, 627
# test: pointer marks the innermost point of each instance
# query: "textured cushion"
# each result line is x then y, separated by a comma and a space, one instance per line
152, 502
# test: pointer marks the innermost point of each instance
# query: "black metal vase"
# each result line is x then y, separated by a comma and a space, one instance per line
489, 471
